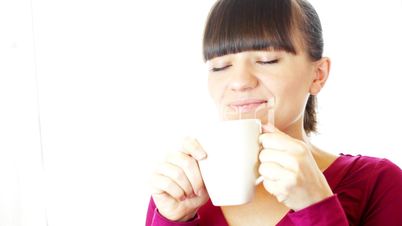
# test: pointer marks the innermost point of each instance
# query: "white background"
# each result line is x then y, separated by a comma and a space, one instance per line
120, 82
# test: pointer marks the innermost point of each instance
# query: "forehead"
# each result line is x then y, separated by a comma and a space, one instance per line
236, 26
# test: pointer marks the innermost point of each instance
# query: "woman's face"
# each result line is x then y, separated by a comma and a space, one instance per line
243, 82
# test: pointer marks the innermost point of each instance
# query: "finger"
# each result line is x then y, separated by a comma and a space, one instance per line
274, 172
275, 189
279, 157
177, 175
272, 187
192, 147
190, 168
280, 141
162, 184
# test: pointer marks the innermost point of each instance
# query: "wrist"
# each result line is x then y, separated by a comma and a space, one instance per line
176, 217
188, 217
325, 193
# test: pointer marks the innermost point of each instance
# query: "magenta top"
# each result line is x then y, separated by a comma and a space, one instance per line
367, 191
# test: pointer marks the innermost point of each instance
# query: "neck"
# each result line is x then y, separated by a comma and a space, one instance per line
322, 158
296, 130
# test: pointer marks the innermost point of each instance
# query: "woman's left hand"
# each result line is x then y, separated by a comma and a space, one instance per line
290, 171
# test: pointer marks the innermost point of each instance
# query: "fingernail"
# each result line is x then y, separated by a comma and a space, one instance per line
201, 155
200, 151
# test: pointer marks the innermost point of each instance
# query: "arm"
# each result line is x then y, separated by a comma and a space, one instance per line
384, 202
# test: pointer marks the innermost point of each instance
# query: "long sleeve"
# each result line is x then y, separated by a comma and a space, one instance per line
328, 212
368, 191
370, 195
384, 201
154, 218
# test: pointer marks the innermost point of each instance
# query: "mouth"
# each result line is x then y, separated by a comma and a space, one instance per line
246, 106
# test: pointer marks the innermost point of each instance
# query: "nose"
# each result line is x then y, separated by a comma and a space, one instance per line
243, 80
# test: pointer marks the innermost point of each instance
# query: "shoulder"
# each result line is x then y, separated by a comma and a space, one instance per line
365, 167
366, 186
360, 177
366, 175
371, 166
380, 199
383, 175
360, 164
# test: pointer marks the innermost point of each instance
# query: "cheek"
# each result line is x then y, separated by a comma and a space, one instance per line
291, 99
215, 89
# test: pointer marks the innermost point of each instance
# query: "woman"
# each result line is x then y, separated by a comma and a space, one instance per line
251, 46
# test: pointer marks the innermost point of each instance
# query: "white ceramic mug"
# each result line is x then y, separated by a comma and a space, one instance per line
230, 170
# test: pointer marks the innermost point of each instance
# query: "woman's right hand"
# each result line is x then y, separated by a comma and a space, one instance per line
178, 188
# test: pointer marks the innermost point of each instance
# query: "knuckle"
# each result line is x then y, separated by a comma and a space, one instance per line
177, 175
180, 193
177, 194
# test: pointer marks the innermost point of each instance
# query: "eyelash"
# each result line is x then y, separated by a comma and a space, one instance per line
259, 62
268, 62
220, 68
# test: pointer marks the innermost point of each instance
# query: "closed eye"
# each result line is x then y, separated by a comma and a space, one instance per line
215, 69
268, 62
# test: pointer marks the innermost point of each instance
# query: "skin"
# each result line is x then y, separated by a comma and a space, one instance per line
291, 166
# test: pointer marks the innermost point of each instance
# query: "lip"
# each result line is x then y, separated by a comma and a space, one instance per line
247, 102
247, 105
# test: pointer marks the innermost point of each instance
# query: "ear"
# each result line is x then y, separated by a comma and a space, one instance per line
321, 73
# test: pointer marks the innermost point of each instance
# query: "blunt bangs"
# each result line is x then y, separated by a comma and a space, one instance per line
237, 25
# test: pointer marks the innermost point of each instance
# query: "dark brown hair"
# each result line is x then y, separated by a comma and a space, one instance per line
234, 26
